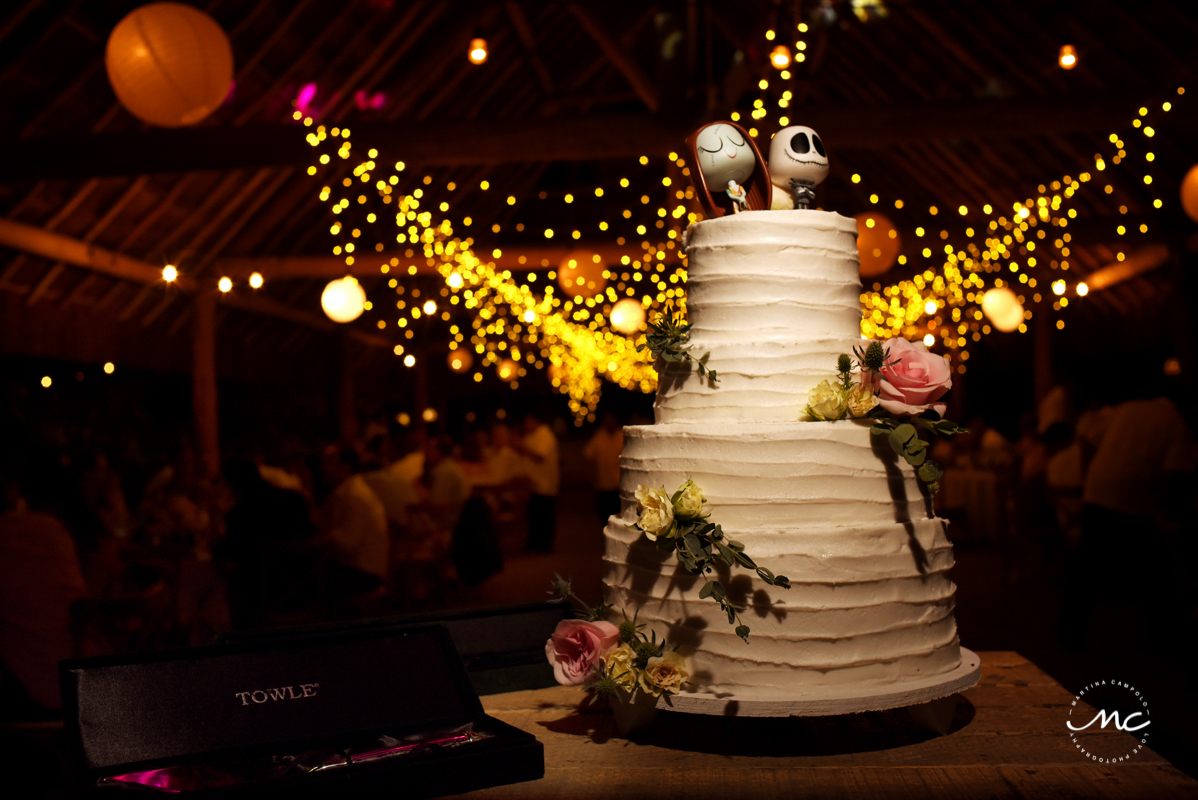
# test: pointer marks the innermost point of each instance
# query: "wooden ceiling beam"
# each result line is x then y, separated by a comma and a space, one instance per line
619, 56
590, 138
48, 244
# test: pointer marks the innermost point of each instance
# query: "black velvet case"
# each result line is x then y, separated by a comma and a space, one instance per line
265, 704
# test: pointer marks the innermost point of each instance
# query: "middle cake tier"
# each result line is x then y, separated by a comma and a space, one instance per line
761, 475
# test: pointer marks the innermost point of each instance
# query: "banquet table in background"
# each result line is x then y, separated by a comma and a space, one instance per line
1008, 740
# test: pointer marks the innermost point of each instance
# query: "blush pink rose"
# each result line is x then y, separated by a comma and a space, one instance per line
576, 645
916, 382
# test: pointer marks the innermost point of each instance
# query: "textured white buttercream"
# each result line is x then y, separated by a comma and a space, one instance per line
774, 299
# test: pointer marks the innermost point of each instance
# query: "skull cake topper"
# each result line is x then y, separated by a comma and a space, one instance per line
729, 173
798, 162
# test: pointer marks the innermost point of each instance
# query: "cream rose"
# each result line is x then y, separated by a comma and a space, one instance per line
916, 382
690, 501
618, 664
860, 400
655, 510
826, 402
665, 675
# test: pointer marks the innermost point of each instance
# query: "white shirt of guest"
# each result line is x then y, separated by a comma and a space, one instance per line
359, 526
1144, 441
545, 475
410, 467
395, 492
604, 449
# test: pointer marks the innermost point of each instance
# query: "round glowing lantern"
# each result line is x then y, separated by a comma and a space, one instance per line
507, 370
627, 316
581, 273
343, 300
878, 243
169, 64
460, 360
1003, 309
1189, 193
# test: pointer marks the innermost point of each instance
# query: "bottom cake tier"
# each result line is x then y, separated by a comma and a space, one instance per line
869, 605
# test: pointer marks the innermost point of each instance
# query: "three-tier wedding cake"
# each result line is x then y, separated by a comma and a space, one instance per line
774, 299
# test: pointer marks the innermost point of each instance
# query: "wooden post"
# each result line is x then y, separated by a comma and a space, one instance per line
203, 383
347, 418
1042, 355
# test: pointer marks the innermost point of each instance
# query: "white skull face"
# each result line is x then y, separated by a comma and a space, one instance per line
724, 155
797, 152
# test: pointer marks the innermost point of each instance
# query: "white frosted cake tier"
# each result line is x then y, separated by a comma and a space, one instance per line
871, 600
773, 298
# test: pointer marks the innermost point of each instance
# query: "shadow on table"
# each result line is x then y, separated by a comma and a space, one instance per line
764, 736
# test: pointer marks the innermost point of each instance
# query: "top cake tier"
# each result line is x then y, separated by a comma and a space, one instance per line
774, 297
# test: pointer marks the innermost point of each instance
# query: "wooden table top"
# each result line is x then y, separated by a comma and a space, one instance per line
1008, 740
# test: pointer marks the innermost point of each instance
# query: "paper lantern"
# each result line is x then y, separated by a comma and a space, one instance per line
507, 370
1189, 193
581, 273
460, 360
478, 50
1003, 309
780, 57
169, 64
627, 316
343, 300
878, 243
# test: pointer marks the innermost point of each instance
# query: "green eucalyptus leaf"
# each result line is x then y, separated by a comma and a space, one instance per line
705, 592
743, 632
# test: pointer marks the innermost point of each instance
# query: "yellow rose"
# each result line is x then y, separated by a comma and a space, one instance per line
690, 502
860, 400
665, 675
826, 402
618, 664
656, 511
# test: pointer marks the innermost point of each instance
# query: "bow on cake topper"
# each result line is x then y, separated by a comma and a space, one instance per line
731, 176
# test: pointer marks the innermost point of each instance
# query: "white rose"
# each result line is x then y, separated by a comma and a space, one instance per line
690, 502
656, 511
826, 402
860, 400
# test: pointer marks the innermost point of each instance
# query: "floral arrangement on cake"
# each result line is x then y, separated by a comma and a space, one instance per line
898, 385
679, 522
668, 338
609, 659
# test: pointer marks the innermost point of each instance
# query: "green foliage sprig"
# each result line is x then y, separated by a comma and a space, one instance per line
679, 524
668, 338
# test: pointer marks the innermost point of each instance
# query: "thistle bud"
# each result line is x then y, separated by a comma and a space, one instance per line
844, 363
875, 356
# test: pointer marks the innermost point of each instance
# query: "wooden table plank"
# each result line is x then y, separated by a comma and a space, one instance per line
1008, 740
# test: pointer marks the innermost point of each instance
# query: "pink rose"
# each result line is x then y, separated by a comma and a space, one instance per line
576, 645
916, 382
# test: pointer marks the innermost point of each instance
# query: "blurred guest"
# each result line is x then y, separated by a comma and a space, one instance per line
503, 462
355, 522
539, 449
1137, 488
262, 531
393, 490
604, 449
447, 486
410, 466
40, 582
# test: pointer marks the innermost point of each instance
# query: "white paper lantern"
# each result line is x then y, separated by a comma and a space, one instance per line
1003, 309
343, 300
169, 64
627, 316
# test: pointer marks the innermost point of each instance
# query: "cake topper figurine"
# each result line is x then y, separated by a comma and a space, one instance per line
798, 163
724, 155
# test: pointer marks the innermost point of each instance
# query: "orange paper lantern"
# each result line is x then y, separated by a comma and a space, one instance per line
878, 243
627, 316
1189, 193
170, 64
581, 273
460, 360
1002, 307
507, 370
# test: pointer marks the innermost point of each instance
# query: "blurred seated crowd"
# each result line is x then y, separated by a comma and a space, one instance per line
1099, 497
404, 520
